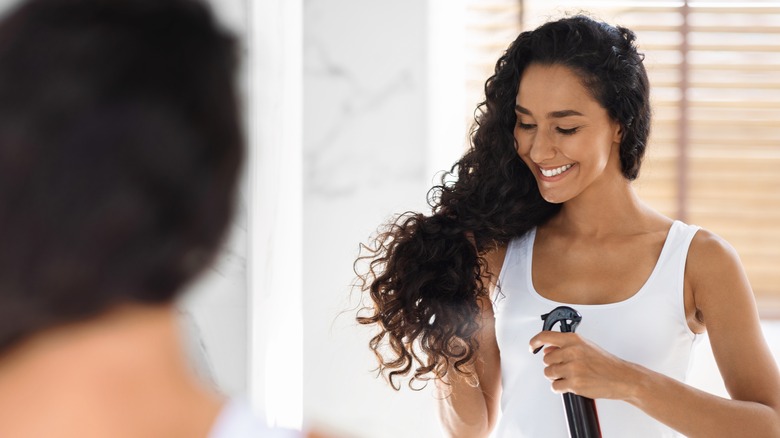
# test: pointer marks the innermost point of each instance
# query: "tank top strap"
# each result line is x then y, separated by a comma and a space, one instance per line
679, 239
670, 268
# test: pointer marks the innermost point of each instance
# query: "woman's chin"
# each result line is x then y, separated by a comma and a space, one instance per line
553, 197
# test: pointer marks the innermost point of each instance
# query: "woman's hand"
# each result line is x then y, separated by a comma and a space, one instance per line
576, 365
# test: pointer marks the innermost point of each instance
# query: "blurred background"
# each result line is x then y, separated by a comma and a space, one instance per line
353, 106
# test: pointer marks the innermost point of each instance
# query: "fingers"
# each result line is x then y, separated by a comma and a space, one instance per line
558, 375
553, 372
573, 364
550, 338
554, 355
560, 352
548, 350
561, 386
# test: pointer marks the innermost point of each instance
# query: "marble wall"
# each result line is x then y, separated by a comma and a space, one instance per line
365, 89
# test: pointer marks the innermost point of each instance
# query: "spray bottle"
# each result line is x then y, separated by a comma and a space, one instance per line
583, 420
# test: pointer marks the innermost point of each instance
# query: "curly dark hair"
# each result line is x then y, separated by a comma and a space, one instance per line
120, 148
426, 273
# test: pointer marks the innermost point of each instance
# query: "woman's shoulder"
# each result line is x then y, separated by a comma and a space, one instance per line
714, 270
710, 249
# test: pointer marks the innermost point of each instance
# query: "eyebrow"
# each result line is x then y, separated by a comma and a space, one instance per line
551, 115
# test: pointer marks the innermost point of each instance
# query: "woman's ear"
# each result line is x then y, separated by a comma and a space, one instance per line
617, 137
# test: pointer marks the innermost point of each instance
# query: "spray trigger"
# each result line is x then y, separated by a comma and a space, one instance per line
568, 317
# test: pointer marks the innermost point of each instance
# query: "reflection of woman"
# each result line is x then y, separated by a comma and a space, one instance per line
542, 212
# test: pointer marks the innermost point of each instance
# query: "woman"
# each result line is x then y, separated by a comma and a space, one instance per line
120, 150
542, 213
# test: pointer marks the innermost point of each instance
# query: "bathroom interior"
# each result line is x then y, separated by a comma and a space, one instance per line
352, 110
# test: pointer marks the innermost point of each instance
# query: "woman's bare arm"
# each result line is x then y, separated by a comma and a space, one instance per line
469, 407
725, 300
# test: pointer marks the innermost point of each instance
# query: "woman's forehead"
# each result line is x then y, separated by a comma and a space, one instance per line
550, 89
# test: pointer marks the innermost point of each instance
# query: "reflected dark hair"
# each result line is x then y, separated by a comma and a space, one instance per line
425, 273
120, 146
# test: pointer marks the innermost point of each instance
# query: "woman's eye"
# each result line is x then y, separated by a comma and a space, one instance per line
525, 126
566, 131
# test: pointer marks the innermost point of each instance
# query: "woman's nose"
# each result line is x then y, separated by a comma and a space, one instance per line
542, 148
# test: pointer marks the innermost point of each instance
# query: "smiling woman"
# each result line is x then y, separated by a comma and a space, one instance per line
572, 137
540, 212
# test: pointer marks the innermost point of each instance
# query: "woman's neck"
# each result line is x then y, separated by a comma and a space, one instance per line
611, 207
121, 374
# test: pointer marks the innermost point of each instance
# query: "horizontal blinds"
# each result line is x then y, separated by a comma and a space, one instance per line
735, 135
490, 25
733, 172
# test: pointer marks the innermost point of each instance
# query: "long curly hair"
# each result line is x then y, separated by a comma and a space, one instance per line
426, 273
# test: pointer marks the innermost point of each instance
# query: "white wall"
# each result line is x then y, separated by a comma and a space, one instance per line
364, 159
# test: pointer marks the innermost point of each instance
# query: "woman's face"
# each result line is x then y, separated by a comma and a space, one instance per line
563, 134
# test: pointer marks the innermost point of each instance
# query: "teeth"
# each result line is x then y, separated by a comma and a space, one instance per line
556, 171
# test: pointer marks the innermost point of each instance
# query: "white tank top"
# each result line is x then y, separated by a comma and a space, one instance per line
649, 328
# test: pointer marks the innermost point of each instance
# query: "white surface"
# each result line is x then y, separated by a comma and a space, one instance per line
365, 91
275, 233
447, 127
237, 420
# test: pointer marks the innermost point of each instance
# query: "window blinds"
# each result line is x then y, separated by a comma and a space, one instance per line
490, 25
